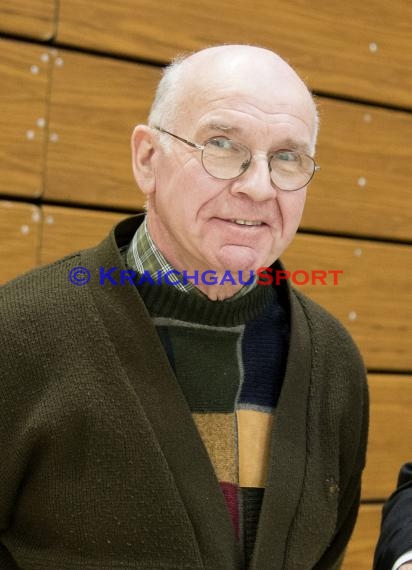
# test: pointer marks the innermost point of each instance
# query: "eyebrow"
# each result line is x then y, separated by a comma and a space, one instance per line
222, 127
296, 145
287, 143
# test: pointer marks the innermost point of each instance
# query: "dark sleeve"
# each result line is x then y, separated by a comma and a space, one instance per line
396, 528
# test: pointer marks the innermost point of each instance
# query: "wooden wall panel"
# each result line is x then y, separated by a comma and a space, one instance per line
390, 433
373, 298
24, 76
32, 18
361, 50
65, 230
364, 185
19, 238
95, 104
359, 555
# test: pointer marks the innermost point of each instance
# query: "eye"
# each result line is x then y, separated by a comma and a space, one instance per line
287, 156
221, 143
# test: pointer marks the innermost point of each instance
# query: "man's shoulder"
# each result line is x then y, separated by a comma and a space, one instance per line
40, 276
42, 293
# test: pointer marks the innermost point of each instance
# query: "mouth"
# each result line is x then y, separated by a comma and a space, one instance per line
240, 222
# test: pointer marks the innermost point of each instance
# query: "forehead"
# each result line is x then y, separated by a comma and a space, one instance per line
238, 98
250, 120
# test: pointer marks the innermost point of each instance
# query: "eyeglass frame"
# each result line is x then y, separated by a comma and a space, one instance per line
201, 147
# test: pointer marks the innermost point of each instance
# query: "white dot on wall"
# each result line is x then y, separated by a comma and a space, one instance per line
34, 69
362, 181
30, 135
49, 219
54, 137
367, 117
373, 47
357, 252
35, 216
41, 122
45, 57
352, 316
25, 229
59, 62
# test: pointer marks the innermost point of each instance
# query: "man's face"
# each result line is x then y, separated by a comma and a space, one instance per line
191, 214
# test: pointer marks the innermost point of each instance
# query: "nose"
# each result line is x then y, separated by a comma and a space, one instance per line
255, 182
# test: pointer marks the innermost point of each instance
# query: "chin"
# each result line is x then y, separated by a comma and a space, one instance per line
237, 258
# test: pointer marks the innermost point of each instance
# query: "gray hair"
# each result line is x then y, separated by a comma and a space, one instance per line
168, 103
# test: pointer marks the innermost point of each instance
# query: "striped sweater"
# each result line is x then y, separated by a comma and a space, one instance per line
230, 367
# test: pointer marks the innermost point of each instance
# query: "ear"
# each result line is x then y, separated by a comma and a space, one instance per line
143, 150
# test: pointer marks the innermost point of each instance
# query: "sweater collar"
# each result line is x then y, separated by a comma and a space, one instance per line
166, 301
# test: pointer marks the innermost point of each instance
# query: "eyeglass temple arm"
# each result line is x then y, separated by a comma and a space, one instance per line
194, 145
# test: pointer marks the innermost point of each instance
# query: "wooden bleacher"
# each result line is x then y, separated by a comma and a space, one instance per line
373, 298
24, 72
19, 238
357, 50
65, 230
31, 18
94, 105
364, 185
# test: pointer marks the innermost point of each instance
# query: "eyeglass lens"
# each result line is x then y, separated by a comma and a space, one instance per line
226, 159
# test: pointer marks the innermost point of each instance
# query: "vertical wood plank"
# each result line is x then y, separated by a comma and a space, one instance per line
390, 433
19, 238
31, 18
65, 230
372, 297
24, 81
359, 555
95, 104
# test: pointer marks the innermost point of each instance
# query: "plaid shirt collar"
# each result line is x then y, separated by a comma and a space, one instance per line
143, 255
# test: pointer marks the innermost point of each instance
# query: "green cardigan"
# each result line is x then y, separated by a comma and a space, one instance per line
101, 463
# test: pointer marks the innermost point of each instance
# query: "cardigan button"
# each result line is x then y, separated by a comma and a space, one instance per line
332, 485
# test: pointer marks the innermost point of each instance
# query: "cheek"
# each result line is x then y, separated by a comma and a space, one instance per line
178, 202
291, 208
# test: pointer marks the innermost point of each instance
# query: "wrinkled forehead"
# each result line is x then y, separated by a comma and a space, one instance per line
259, 82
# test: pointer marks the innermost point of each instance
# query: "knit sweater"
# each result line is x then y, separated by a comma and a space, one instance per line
231, 377
102, 464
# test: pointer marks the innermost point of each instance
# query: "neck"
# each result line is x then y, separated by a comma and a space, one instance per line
219, 292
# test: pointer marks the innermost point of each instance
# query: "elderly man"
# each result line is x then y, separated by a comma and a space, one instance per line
204, 424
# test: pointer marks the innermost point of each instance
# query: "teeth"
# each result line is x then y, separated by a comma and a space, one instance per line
247, 222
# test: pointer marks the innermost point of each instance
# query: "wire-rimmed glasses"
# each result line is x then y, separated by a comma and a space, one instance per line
227, 159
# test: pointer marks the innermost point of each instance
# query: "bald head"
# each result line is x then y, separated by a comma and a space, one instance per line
252, 72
